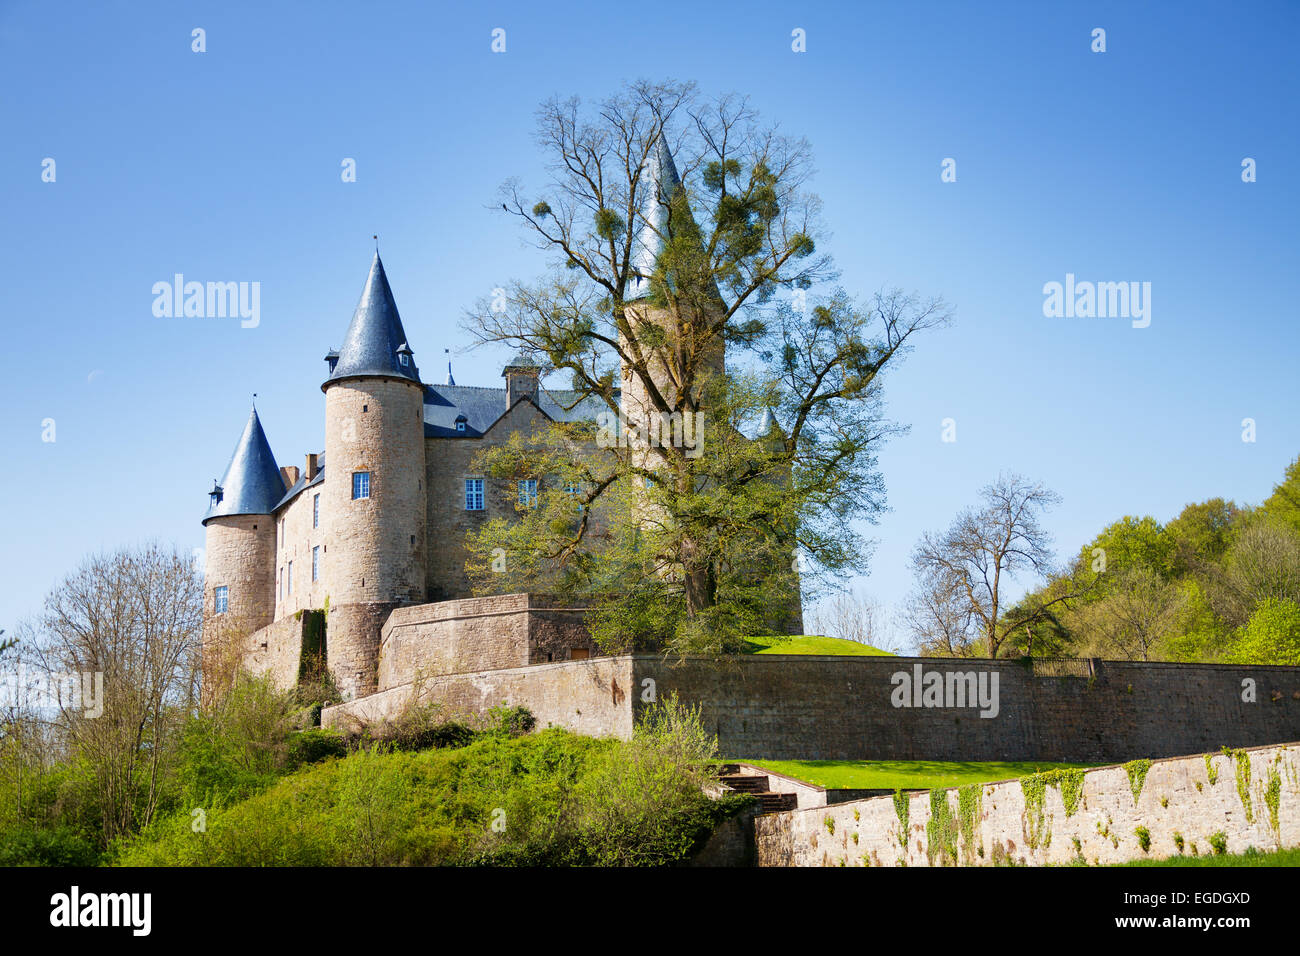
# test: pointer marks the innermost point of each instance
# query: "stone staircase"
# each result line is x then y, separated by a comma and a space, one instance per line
757, 785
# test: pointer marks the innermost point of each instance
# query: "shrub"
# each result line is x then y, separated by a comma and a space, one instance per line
61, 846
1144, 838
1219, 843
511, 721
313, 746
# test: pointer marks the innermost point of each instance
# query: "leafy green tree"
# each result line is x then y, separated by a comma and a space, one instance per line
1284, 502
1271, 636
655, 278
1125, 544
1201, 535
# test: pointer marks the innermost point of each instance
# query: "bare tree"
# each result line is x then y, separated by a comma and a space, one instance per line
123, 633
940, 619
985, 549
850, 617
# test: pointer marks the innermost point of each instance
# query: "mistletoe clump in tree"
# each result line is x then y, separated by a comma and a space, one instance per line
741, 409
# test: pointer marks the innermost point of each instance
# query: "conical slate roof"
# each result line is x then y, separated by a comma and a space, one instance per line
376, 337
768, 424
657, 184
252, 484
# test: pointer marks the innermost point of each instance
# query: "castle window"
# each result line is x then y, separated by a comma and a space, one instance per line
360, 484
290, 583
315, 511
220, 599
404, 360
281, 592
460, 423
528, 492
315, 563
473, 494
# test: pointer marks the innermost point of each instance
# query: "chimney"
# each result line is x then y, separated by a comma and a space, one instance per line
310, 472
290, 475
521, 377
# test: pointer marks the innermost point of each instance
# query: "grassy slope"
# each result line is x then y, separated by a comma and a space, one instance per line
812, 644
903, 774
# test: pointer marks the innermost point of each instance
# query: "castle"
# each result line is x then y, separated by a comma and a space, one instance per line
360, 554
378, 520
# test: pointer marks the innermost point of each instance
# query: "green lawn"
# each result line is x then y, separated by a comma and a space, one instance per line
811, 644
1274, 858
903, 774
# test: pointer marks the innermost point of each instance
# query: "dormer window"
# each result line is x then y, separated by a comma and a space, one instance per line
404, 359
460, 423
216, 494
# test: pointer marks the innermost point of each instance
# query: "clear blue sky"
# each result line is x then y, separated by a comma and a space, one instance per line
225, 166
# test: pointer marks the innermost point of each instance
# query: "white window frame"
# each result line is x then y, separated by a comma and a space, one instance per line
528, 492
475, 499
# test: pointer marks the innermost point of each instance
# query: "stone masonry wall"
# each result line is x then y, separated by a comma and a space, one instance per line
840, 708
295, 538
376, 544
276, 650
588, 697
449, 461
1251, 798
487, 633
239, 553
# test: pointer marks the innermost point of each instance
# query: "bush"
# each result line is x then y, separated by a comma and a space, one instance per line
1271, 636
61, 846
313, 746
546, 798
511, 721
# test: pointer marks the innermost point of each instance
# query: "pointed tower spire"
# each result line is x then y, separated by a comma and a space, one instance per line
450, 380
657, 183
375, 345
252, 484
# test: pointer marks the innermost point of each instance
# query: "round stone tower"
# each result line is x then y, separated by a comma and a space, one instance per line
373, 507
239, 552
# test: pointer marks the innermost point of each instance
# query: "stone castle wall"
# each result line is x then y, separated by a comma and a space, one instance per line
276, 650
449, 461
1253, 800
839, 708
587, 697
295, 538
487, 633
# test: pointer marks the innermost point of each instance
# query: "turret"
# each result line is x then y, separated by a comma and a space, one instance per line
239, 571
373, 504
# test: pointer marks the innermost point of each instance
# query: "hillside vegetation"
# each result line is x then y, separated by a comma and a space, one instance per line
1219, 582
246, 789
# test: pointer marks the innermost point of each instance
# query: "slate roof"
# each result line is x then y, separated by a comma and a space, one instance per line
443, 404
657, 183
251, 484
375, 337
